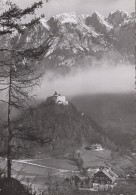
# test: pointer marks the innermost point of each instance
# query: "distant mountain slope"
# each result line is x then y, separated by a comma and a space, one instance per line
81, 37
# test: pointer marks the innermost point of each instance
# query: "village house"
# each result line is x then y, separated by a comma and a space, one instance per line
104, 178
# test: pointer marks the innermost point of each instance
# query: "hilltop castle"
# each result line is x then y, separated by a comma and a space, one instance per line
59, 99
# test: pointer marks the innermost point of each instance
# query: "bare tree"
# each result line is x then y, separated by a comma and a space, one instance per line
18, 72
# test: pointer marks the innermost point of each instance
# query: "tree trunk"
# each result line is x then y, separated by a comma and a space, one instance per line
9, 160
9, 164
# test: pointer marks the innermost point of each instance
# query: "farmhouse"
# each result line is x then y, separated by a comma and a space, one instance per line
104, 176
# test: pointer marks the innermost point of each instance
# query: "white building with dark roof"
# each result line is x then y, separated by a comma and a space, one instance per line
105, 176
59, 99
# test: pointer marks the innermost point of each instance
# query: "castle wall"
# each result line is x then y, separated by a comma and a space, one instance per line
61, 100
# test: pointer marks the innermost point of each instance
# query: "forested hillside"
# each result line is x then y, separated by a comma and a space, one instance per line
63, 125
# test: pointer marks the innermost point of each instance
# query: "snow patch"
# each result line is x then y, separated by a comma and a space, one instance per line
67, 18
120, 12
102, 20
44, 23
119, 16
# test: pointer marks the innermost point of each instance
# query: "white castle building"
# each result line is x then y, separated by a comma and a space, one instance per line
60, 99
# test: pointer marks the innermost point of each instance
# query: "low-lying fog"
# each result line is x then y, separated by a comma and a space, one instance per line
94, 80
90, 83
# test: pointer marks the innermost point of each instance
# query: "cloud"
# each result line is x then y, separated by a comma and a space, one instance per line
95, 80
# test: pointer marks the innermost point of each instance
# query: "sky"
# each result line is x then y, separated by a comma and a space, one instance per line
104, 7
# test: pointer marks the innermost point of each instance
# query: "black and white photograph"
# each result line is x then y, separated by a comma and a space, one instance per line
67, 97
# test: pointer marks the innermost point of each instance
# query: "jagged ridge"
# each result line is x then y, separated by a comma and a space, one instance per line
80, 37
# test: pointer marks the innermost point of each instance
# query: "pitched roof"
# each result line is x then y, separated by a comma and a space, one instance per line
113, 173
109, 173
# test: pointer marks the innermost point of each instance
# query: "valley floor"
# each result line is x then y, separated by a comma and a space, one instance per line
38, 171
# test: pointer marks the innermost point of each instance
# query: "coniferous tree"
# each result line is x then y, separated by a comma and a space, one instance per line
18, 71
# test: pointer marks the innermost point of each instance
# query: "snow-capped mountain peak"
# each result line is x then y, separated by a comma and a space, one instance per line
67, 18
101, 20
99, 23
117, 17
120, 13
98, 15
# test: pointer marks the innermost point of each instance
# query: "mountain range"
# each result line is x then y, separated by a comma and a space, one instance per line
79, 39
